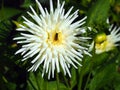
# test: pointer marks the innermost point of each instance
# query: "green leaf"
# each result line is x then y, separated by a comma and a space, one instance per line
41, 82
103, 77
26, 4
98, 13
5, 30
8, 12
100, 59
11, 86
117, 81
36, 82
73, 80
52, 85
86, 65
32, 84
29, 86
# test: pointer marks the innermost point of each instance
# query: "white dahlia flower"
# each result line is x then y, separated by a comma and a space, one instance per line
53, 38
105, 42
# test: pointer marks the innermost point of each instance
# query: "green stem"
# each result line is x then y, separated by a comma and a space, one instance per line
88, 79
46, 85
2, 8
32, 84
4, 79
91, 67
57, 78
38, 85
66, 82
82, 74
80, 80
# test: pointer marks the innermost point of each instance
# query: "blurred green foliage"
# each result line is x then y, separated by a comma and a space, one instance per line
100, 72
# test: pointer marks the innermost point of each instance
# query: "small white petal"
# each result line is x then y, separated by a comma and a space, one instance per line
61, 59
67, 70
40, 7
49, 72
111, 27
53, 67
69, 11
20, 50
51, 6
58, 3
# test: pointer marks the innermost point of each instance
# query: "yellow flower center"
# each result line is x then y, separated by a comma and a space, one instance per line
101, 46
101, 42
54, 37
101, 38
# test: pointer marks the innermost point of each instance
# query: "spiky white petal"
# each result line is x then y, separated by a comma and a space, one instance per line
53, 38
